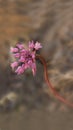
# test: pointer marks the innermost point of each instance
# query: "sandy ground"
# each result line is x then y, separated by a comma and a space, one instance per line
37, 120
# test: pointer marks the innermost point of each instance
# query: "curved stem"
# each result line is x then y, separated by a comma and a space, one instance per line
57, 95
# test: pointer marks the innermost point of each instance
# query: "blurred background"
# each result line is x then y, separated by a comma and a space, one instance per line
26, 102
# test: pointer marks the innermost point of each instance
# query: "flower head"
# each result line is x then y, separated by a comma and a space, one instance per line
36, 46
25, 58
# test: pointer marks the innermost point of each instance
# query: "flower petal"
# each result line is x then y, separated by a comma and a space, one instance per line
14, 64
34, 69
19, 70
13, 49
16, 55
37, 46
20, 46
31, 45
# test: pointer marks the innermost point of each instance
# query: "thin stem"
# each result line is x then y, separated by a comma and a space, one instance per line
57, 95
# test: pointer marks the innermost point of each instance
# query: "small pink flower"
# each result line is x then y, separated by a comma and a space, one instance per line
19, 70
20, 46
33, 55
13, 49
14, 64
33, 68
31, 45
16, 55
37, 46
22, 59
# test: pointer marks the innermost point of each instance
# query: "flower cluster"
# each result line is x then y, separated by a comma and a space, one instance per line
25, 58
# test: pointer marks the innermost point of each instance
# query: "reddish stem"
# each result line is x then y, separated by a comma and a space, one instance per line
49, 83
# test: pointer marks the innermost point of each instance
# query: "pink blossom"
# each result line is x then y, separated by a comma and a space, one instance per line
33, 55
37, 46
16, 55
19, 70
22, 59
34, 68
31, 45
13, 49
20, 46
25, 58
14, 64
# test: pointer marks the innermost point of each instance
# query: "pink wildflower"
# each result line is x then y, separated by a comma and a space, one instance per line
19, 70
20, 46
31, 45
37, 46
14, 64
25, 58
16, 55
13, 49
34, 68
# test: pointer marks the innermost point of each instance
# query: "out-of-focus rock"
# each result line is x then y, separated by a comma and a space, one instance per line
9, 101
